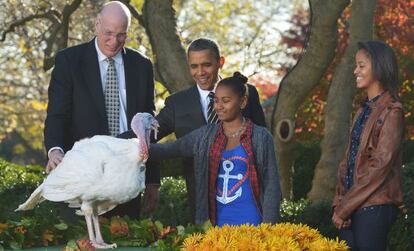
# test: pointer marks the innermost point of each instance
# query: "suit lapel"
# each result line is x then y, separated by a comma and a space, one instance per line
92, 76
132, 80
195, 106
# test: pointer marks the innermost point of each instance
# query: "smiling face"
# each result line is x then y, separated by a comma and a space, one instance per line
204, 68
363, 70
111, 31
228, 104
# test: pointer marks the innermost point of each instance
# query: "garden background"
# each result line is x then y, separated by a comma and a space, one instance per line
299, 54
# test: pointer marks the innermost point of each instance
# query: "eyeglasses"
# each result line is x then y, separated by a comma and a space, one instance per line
118, 36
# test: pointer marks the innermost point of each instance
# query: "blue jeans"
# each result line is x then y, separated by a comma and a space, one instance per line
369, 228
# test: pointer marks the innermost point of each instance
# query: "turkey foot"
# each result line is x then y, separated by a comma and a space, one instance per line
103, 245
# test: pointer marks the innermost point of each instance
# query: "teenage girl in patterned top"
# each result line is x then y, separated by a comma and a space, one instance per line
236, 174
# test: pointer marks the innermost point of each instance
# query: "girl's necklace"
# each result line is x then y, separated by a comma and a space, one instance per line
237, 133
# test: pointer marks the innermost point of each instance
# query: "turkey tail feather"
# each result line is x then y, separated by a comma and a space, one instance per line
34, 199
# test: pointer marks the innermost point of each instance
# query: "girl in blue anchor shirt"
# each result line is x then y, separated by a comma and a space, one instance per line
234, 196
236, 175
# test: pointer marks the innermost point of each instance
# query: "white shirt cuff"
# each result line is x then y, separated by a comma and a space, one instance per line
54, 148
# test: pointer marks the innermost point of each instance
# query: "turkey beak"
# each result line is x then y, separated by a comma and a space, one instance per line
154, 126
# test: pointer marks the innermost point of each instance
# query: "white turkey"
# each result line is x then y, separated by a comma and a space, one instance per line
99, 173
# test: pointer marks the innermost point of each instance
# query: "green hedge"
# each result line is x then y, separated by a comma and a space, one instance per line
308, 154
172, 206
16, 184
402, 234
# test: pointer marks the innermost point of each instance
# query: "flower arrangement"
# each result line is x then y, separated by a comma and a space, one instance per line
284, 236
31, 232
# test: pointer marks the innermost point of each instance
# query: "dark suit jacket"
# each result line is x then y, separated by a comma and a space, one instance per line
183, 112
76, 106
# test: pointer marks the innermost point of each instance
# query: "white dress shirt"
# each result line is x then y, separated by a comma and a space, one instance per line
120, 73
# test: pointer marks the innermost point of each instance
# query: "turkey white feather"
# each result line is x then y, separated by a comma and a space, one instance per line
99, 173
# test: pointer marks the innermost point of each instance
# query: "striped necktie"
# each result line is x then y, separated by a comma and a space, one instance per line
211, 114
112, 98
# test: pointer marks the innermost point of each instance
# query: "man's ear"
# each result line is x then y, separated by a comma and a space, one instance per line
96, 26
221, 62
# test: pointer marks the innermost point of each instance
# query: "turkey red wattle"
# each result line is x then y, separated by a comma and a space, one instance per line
143, 149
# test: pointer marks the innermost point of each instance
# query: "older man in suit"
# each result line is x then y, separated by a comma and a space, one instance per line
96, 88
187, 110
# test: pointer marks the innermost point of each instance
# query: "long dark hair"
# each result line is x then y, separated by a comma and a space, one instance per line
384, 65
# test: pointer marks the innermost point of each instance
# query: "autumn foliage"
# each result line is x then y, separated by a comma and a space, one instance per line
393, 22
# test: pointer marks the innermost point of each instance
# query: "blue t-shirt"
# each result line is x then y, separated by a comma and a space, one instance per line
234, 195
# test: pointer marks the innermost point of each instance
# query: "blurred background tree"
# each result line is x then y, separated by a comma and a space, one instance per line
33, 31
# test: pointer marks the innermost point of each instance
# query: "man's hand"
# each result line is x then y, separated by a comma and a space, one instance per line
55, 157
150, 200
347, 223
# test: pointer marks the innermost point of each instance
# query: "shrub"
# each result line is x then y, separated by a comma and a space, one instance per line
318, 215
290, 211
173, 208
308, 154
408, 150
401, 236
16, 184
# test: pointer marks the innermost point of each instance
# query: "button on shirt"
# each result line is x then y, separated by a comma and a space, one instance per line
355, 140
119, 65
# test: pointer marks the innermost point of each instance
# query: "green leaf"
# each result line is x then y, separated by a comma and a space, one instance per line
206, 226
159, 225
61, 226
15, 245
181, 230
1, 248
72, 244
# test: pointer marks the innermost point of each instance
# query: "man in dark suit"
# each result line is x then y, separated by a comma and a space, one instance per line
186, 110
86, 77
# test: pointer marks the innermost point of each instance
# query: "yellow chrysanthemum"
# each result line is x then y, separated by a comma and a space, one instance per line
192, 242
285, 236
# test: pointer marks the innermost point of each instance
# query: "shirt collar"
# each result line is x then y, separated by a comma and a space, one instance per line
102, 57
370, 102
204, 93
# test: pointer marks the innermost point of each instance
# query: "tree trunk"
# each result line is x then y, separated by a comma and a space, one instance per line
170, 60
339, 103
298, 83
